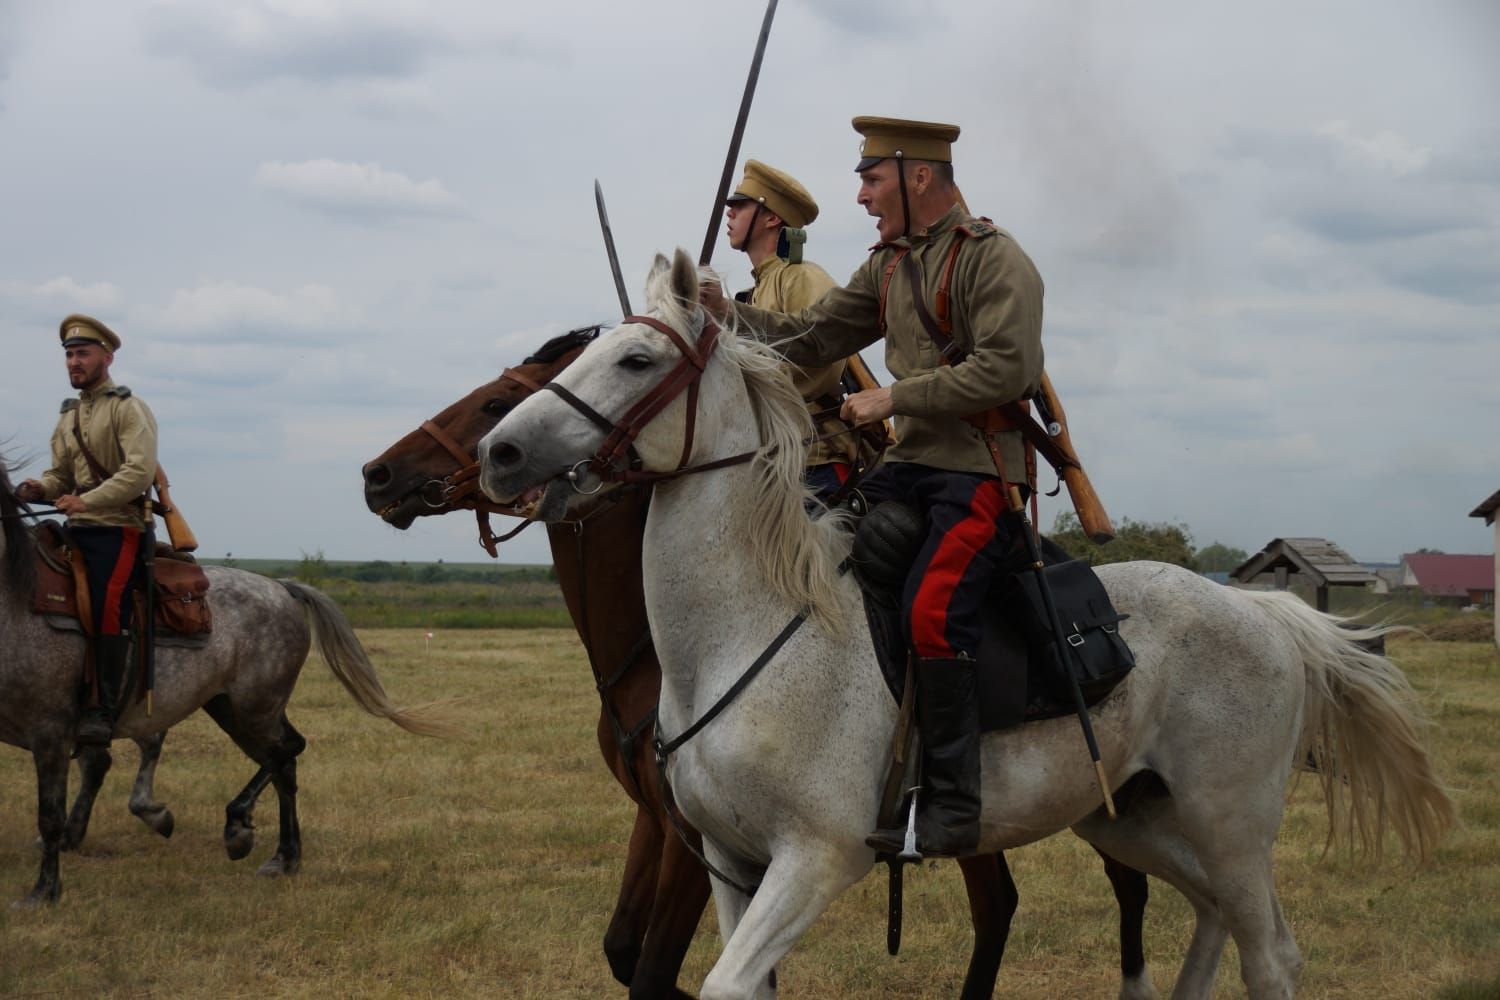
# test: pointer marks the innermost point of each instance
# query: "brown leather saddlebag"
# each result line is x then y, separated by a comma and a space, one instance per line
181, 586
182, 597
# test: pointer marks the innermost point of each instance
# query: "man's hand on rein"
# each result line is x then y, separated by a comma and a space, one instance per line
70, 504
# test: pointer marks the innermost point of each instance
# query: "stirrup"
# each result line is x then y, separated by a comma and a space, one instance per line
898, 844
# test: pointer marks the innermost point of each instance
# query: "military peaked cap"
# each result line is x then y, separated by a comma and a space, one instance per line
81, 329
909, 140
778, 191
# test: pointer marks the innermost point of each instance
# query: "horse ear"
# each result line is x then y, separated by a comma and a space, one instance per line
684, 278
654, 278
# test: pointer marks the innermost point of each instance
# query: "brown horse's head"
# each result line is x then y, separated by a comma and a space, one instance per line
415, 476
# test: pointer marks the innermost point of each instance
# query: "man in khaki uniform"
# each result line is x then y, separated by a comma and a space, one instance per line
103, 462
768, 215
977, 279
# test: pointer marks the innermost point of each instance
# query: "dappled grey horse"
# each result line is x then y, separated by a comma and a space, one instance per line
242, 676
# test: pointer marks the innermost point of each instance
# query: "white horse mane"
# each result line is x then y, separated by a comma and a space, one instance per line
798, 555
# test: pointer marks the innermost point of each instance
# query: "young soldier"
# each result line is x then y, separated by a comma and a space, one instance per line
768, 214
992, 296
103, 462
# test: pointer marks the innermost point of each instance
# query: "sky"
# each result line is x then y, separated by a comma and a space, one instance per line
1269, 232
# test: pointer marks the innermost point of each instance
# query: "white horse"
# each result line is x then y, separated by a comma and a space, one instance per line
1231, 688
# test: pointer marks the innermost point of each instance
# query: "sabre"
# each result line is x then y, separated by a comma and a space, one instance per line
609, 248
734, 142
148, 610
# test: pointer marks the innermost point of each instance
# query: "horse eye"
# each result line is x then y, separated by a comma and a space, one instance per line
636, 362
497, 407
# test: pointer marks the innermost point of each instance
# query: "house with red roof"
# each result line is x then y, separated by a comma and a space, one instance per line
1450, 579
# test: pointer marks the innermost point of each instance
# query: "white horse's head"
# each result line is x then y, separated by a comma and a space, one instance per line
556, 433
608, 412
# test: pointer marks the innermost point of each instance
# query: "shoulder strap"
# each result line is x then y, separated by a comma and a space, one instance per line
93, 463
885, 283
951, 352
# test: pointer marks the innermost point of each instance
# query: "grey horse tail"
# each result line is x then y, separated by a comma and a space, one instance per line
351, 665
1363, 727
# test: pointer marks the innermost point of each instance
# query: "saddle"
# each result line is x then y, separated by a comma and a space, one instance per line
1021, 670
182, 609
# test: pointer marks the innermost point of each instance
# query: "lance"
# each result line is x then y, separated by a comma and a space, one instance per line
734, 142
609, 248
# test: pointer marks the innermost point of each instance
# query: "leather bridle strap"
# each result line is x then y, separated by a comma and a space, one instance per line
524, 381
620, 435
453, 448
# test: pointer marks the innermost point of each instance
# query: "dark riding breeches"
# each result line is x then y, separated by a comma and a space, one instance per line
967, 539
110, 555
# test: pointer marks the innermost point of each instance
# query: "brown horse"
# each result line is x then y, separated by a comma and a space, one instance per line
597, 559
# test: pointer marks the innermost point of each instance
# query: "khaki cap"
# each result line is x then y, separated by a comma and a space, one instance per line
778, 191
909, 140
81, 329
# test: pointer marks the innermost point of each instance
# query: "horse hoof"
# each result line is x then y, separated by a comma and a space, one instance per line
279, 866
159, 819
37, 898
239, 842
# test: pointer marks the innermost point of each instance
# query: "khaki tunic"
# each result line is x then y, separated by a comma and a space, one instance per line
787, 288
120, 432
996, 312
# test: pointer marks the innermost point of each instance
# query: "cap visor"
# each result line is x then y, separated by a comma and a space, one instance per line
867, 163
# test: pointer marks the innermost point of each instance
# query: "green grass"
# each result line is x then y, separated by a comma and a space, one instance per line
488, 866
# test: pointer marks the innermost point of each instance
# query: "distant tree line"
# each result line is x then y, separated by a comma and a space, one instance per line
1160, 541
314, 569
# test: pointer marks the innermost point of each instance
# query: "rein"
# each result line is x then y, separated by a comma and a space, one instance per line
664, 748
27, 511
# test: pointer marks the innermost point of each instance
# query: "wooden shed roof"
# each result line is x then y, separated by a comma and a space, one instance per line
1321, 561
1487, 509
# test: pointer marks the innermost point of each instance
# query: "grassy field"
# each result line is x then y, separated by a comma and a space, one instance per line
487, 866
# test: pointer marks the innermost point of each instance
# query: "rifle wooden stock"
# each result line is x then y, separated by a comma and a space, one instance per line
177, 526
1091, 514
857, 372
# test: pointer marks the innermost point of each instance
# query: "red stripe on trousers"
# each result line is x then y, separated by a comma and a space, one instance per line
929, 610
115, 592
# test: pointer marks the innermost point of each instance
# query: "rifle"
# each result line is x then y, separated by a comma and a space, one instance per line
178, 531
1091, 514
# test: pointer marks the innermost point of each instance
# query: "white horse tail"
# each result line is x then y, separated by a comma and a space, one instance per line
1362, 726
350, 663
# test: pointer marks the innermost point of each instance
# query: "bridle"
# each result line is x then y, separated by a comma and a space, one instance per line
617, 461
459, 490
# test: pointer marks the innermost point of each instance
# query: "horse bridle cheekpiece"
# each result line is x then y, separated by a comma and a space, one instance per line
616, 460
460, 490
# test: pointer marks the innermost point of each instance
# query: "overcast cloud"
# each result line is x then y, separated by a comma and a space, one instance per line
1271, 242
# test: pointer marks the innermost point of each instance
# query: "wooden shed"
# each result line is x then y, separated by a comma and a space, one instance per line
1321, 563
1488, 510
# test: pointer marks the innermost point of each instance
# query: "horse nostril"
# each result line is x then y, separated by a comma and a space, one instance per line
503, 454
377, 475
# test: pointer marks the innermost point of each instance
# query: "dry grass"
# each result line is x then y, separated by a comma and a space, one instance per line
488, 866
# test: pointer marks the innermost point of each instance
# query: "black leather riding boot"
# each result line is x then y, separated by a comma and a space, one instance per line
948, 803
97, 727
